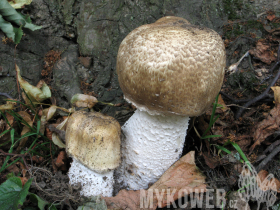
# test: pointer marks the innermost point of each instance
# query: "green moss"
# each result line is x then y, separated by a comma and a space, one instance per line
234, 32
275, 25
230, 8
254, 24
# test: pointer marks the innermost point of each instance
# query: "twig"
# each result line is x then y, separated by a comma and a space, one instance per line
256, 99
268, 158
268, 149
236, 101
60, 133
6, 95
15, 155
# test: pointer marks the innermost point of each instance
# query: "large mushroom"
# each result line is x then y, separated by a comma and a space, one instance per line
93, 141
170, 70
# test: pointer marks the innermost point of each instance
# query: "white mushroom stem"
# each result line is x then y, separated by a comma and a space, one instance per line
152, 144
92, 183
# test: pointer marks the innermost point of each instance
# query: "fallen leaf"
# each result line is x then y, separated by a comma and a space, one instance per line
56, 137
266, 127
2, 125
270, 17
61, 161
13, 168
8, 106
27, 118
51, 112
11, 121
35, 94
125, 199
210, 161
48, 133
276, 90
268, 182
222, 104
44, 120
19, 4
37, 159
263, 52
182, 178
82, 100
23, 180
22, 168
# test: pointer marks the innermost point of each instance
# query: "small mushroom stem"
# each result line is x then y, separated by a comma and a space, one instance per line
152, 144
92, 183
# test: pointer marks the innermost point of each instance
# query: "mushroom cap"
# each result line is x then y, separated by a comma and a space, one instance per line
171, 67
94, 140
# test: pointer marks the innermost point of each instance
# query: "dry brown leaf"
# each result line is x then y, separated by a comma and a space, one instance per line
27, 118
266, 127
23, 180
48, 133
263, 52
210, 161
221, 102
10, 118
82, 100
37, 159
126, 199
7, 106
2, 125
61, 161
276, 90
270, 17
268, 182
182, 178
23, 169
13, 168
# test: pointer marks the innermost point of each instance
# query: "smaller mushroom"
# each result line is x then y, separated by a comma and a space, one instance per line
93, 141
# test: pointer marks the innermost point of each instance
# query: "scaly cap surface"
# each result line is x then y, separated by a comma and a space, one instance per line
171, 67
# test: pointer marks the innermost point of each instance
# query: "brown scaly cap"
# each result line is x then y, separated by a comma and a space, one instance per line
171, 67
94, 140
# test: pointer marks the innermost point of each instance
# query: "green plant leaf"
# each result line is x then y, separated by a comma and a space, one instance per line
32, 26
7, 28
223, 149
10, 14
12, 193
39, 201
18, 35
212, 120
210, 136
3, 167
239, 150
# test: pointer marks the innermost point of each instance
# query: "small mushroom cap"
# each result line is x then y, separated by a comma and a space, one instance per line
94, 140
171, 67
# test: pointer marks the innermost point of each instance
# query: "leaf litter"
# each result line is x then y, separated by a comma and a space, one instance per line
254, 128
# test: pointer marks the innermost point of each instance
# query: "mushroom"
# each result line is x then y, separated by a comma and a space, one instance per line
170, 70
93, 141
